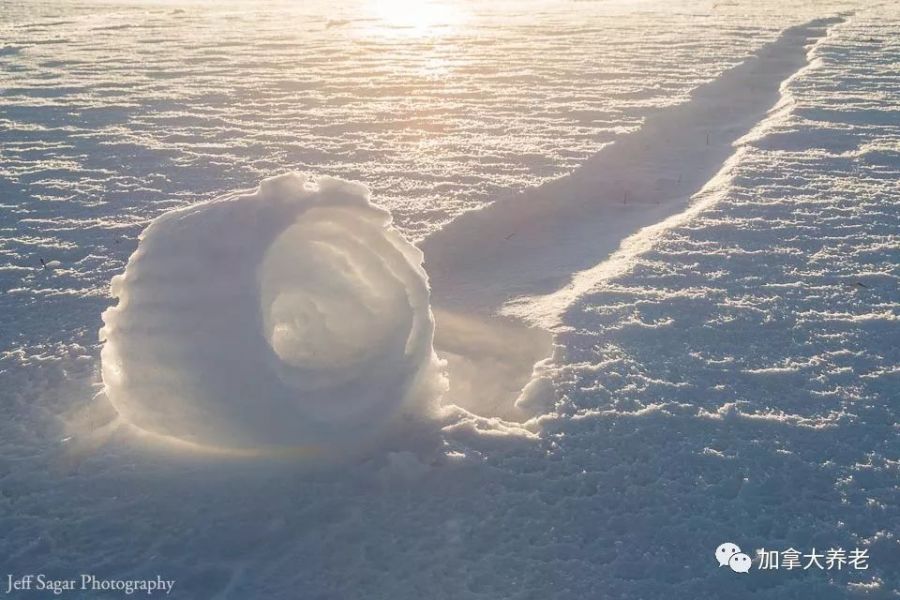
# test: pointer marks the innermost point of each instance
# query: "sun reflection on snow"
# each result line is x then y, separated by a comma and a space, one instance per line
415, 18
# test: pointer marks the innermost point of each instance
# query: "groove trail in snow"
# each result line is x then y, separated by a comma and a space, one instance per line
532, 243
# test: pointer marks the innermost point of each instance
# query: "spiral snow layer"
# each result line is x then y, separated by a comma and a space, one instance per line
292, 316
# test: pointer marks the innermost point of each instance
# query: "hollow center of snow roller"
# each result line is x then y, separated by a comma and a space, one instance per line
328, 304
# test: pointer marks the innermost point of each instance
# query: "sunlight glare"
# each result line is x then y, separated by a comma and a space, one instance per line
416, 17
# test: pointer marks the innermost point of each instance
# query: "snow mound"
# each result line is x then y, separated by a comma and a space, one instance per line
294, 316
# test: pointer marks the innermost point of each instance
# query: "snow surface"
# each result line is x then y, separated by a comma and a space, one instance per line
531, 244
727, 373
293, 316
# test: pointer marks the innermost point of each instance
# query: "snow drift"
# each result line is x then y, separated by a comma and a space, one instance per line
293, 316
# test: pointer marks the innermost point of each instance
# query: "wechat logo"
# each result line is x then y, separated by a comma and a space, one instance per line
729, 554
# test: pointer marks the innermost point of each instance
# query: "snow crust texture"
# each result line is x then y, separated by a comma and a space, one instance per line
734, 378
293, 316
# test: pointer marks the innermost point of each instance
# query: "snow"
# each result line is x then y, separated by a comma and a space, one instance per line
535, 243
532, 254
292, 316
719, 367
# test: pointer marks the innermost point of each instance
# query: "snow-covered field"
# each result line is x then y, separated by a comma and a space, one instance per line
695, 204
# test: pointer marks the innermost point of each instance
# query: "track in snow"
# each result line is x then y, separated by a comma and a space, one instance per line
533, 243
